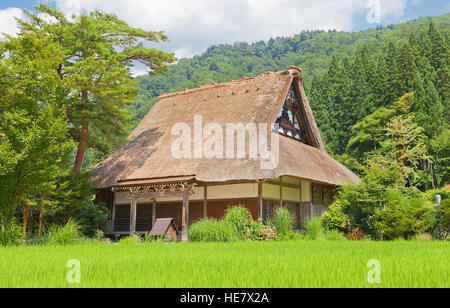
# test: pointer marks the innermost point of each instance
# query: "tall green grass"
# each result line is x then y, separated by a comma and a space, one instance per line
227, 265
68, 234
240, 218
10, 234
314, 229
283, 221
211, 230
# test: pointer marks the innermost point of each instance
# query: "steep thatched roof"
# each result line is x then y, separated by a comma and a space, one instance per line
251, 100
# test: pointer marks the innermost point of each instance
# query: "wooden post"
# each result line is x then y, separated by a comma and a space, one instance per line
113, 215
281, 191
185, 217
205, 201
260, 201
154, 212
311, 191
300, 185
133, 207
300, 207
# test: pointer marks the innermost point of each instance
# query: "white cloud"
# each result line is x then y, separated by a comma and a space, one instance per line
194, 25
8, 24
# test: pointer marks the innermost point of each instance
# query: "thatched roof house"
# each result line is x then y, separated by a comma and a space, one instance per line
146, 170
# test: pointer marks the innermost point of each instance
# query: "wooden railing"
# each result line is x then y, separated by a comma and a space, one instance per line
143, 224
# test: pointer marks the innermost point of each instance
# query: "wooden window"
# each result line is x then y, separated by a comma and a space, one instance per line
269, 208
317, 194
291, 120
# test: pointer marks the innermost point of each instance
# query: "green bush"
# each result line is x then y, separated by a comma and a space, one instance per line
430, 195
442, 229
335, 235
314, 229
68, 234
424, 237
240, 218
212, 230
10, 234
335, 218
283, 221
261, 232
403, 218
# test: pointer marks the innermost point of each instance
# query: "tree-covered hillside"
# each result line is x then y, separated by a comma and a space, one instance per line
311, 50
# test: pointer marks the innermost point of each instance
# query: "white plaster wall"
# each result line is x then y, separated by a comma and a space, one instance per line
122, 198
234, 191
291, 194
270, 191
306, 191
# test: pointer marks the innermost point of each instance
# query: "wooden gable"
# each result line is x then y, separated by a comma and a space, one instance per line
292, 119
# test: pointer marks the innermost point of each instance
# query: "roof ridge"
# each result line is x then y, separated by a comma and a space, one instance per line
215, 85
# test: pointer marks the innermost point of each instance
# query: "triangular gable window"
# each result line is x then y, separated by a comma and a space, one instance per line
291, 119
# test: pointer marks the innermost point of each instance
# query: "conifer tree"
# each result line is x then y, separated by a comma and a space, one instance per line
427, 107
98, 51
407, 68
438, 47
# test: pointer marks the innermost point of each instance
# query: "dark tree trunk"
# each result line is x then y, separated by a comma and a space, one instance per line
81, 148
41, 222
82, 139
26, 217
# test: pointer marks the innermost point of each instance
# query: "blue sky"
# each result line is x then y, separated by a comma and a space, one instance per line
194, 25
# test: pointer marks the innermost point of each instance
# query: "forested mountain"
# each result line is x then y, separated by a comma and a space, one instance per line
310, 50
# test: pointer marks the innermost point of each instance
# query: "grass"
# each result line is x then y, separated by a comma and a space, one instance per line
224, 265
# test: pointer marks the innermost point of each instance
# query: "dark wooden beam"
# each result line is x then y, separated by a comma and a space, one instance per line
205, 201
185, 218
154, 212
133, 207
113, 214
260, 201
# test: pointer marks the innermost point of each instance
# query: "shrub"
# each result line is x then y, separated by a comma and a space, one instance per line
335, 218
314, 229
10, 234
240, 218
259, 232
442, 229
424, 237
211, 230
92, 217
99, 234
293, 236
283, 221
430, 195
63, 235
335, 235
356, 235
403, 218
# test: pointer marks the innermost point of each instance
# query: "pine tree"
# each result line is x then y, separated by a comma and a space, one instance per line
438, 47
394, 90
407, 68
98, 51
427, 106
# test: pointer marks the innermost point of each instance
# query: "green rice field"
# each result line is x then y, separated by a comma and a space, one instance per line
247, 265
